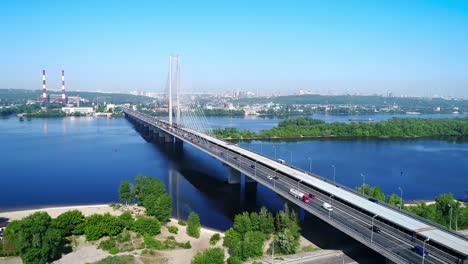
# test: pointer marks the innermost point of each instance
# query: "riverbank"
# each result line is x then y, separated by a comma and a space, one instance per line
56, 211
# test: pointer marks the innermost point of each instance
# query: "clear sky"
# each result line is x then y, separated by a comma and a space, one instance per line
409, 47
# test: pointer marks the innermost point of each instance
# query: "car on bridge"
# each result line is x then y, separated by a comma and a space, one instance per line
375, 229
327, 207
420, 250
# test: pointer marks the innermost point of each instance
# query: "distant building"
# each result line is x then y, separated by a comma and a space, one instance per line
110, 107
81, 110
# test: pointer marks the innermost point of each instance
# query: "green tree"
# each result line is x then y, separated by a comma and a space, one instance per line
267, 222
242, 223
163, 208
69, 222
125, 192
147, 225
97, 226
35, 239
377, 193
148, 186
286, 242
193, 225
209, 256
394, 200
444, 204
252, 245
364, 187
232, 238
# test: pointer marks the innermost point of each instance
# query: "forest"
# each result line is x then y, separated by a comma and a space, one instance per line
305, 127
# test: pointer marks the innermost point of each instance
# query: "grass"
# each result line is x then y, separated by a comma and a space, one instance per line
310, 248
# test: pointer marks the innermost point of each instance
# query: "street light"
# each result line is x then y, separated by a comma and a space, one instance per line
290, 152
401, 197
275, 150
424, 249
363, 182
334, 170
372, 229
450, 225
310, 164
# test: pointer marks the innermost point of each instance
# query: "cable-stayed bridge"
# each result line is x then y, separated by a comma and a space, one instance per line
398, 235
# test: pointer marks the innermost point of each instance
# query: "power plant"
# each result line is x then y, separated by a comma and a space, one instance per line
53, 97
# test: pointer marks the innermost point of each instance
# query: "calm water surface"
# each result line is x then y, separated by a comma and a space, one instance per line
46, 162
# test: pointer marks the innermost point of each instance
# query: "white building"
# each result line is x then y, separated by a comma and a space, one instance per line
81, 110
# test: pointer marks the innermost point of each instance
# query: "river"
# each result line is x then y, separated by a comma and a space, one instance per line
69, 161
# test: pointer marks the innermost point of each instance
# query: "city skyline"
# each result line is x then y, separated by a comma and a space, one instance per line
415, 48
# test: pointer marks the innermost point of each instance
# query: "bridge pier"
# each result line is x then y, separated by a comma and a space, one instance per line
249, 180
168, 138
234, 176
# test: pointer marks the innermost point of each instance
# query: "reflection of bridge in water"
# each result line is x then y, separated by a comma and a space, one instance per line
401, 237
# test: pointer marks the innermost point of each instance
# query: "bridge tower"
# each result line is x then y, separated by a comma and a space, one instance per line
172, 59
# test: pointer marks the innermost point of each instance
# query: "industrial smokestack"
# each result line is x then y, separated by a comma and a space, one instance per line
63, 87
44, 91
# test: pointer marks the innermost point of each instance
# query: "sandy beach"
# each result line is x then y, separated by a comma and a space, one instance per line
56, 211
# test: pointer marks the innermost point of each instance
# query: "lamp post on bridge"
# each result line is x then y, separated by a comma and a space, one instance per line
334, 173
290, 152
424, 249
450, 225
401, 197
372, 229
310, 164
363, 182
275, 150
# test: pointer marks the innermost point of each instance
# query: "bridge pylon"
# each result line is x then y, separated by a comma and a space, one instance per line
172, 59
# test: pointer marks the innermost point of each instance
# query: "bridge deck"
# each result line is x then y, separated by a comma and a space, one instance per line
456, 243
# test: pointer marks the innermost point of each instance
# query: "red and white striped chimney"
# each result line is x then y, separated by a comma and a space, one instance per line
44, 91
63, 87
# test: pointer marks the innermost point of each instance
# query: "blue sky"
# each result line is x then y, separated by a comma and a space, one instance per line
408, 47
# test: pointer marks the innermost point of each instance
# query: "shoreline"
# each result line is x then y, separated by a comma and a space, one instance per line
86, 209
57, 210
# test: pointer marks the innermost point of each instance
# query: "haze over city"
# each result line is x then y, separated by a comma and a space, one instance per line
417, 48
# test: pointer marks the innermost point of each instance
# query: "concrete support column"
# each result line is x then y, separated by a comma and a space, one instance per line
234, 176
168, 138
249, 180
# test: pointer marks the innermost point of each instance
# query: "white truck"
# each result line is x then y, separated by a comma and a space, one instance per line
299, 195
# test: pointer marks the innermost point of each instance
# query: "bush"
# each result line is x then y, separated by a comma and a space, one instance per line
147, 225
215, 238
186, 245
97, 226
114, 250
68, 222
127, 220
211, 256
234, 260
193, 225
107, 244
173, 229
182, 222
151, 242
